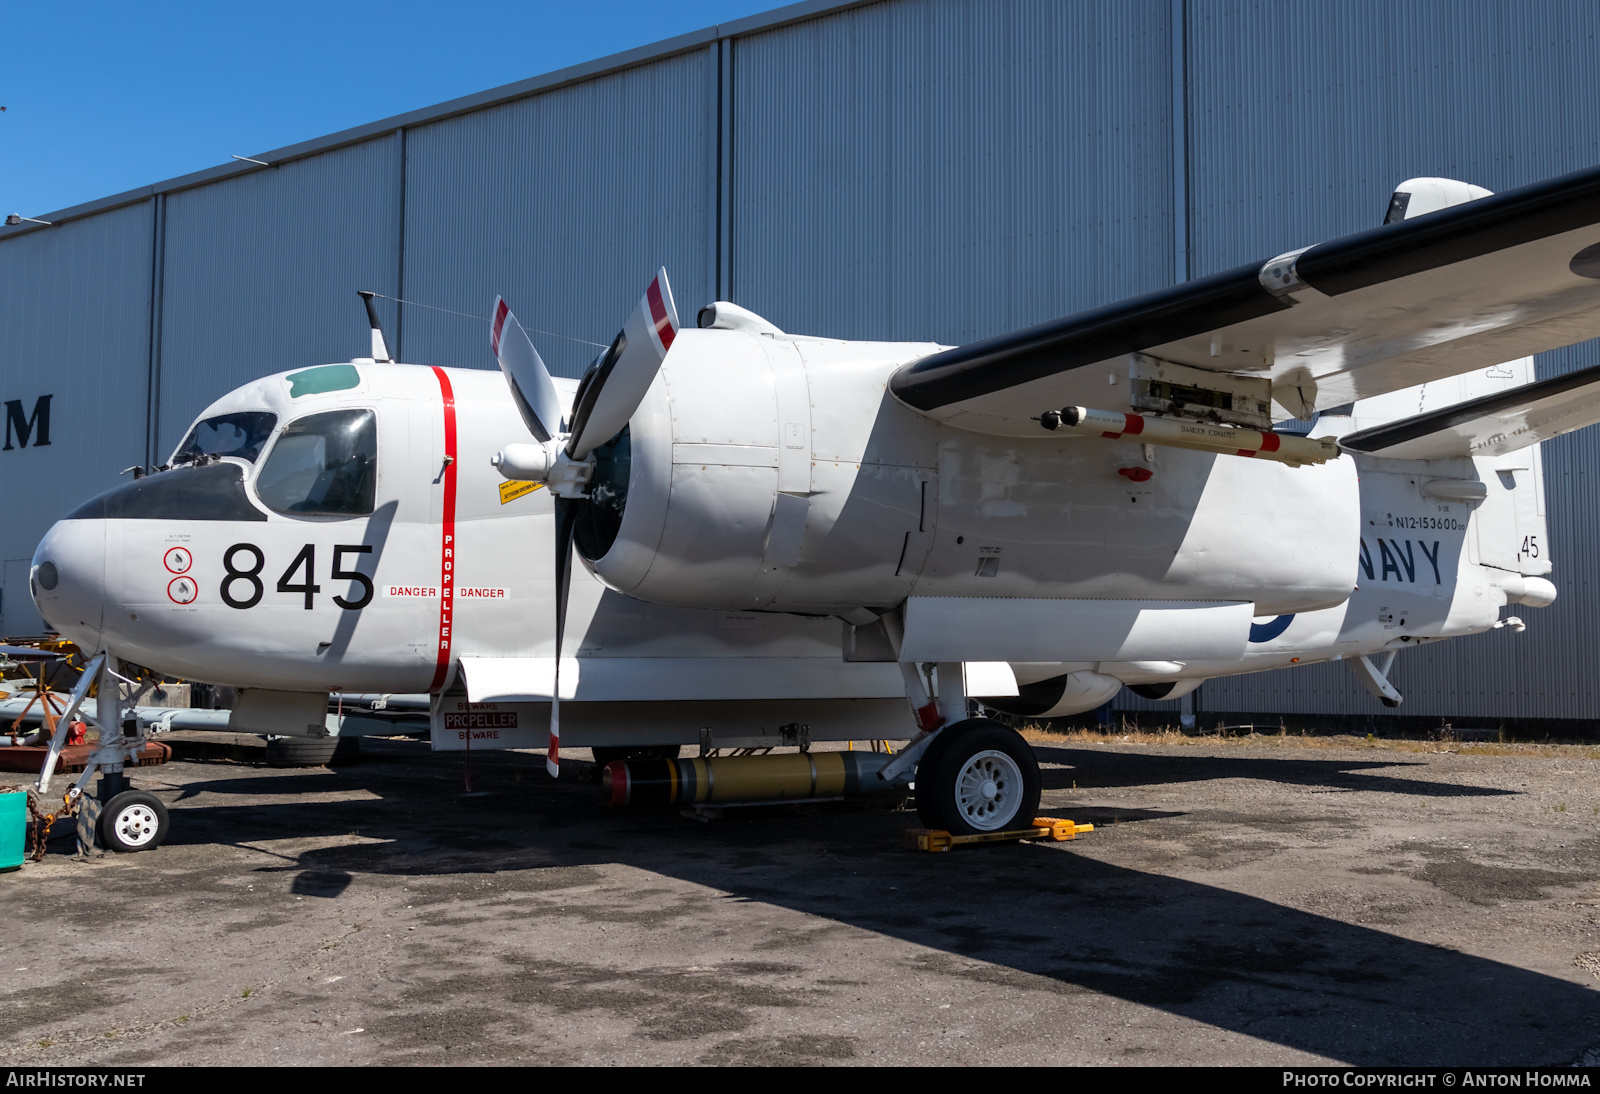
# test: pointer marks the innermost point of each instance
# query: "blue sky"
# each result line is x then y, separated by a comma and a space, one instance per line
104, 97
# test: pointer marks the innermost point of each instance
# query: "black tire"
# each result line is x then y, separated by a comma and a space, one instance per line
606, 754
312, 751
940, 779
928, 763
133, 821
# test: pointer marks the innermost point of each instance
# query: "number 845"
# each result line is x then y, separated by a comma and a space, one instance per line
306, 559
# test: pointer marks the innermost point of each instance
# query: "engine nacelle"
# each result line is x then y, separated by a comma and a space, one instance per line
1059, 696
702, 493
765, 472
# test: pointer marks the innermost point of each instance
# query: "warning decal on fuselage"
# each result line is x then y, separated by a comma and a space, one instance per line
513, 489
426, 592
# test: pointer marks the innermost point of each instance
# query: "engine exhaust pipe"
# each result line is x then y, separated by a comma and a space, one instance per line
785, 777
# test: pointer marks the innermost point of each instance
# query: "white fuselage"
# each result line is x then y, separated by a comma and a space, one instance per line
774, 485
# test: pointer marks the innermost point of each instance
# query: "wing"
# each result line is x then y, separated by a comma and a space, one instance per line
1475, 284
1491, 426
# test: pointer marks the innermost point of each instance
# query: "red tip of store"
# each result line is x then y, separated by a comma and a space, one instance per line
614, 784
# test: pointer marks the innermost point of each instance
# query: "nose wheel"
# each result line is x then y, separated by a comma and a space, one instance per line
977, 776
133, 821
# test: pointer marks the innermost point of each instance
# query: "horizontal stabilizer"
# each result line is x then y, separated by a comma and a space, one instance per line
1490, 426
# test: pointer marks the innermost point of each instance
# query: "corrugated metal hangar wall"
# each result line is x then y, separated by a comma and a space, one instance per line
901, 169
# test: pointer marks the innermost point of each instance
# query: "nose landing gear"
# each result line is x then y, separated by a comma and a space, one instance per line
132, 820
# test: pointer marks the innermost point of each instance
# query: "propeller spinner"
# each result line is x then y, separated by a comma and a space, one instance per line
608, 395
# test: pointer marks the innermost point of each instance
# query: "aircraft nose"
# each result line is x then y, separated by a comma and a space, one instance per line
68, 579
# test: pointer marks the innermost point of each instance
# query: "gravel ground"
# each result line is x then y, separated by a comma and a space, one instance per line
1238, 903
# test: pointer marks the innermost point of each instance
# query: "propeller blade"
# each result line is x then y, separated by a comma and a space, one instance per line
526, 374
566, 525
616, 386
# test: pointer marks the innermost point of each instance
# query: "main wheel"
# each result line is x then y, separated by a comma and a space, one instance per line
133, 821
984, 779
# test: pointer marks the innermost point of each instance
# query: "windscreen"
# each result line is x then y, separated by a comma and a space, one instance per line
241, 435
323, 465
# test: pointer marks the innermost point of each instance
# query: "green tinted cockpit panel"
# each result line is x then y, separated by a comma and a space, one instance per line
322, 379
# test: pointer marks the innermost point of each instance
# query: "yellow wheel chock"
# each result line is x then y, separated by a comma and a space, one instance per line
1050, 828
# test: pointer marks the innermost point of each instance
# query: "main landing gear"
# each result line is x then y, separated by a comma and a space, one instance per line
977, 776
973, 775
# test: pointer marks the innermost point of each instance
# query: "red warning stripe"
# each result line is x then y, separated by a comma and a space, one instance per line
1270, 442
658, 315
447, 542
1131, 423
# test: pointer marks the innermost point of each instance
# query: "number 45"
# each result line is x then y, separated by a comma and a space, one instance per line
308, 558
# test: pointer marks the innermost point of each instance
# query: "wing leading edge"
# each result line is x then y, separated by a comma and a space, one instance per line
1417, 300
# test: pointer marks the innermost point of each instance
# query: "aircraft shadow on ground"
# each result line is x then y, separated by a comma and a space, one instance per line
1035, 917
1094, 767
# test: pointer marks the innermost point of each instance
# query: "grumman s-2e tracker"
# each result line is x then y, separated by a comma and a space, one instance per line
779, 530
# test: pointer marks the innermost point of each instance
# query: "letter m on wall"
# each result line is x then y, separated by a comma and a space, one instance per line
23, 427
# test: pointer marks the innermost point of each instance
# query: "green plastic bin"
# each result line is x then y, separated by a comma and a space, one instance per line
13, 829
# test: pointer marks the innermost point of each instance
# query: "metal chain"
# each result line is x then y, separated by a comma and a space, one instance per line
39, 832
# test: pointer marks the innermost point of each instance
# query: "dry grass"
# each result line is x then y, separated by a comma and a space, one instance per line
1171, 736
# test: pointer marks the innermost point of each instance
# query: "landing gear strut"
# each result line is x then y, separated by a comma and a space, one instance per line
131, 820
1375, 677
973, 775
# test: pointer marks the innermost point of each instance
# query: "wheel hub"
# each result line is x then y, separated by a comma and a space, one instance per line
137, 825
989, 790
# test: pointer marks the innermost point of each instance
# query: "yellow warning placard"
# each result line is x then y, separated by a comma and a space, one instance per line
513, 489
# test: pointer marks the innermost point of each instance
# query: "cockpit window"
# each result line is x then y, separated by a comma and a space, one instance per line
323, 465
241, 435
